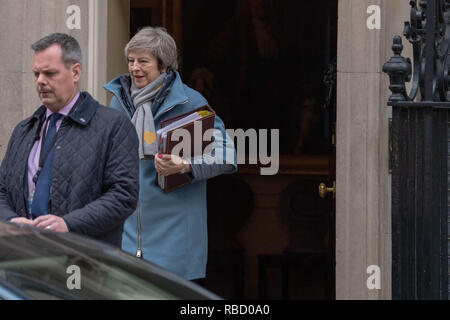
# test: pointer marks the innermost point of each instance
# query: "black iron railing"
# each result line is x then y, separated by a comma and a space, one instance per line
420, 145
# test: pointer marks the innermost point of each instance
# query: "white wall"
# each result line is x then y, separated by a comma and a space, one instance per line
24, 22
363, 204
104, 31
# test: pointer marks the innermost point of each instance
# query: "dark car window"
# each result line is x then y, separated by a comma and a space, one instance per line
46, 278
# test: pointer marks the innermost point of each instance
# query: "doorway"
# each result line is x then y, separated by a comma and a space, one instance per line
264, 71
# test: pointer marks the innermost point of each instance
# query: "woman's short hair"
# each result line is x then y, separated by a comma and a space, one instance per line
159, 43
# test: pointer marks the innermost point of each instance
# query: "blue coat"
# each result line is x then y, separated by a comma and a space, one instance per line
94, 182
173, 225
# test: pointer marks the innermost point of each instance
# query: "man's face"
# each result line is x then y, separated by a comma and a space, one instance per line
56, 85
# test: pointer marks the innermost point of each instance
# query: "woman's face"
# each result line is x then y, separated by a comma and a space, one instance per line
143, 67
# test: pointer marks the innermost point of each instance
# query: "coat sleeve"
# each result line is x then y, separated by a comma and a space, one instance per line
6, 212
120, 182
222, 159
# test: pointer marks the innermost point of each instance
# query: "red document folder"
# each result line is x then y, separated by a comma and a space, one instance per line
176, 181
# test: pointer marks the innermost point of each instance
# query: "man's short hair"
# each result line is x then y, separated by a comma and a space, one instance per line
71, 50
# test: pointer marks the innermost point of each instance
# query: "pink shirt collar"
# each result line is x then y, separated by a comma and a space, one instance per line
65, 111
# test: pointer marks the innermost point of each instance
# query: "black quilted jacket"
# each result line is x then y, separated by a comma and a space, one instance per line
95, 170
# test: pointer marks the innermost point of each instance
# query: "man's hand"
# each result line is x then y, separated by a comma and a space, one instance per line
22, 220
51, 222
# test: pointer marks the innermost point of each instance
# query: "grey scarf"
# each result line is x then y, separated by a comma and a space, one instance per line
143, 117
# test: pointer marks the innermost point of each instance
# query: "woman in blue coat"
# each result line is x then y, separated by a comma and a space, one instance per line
168, 229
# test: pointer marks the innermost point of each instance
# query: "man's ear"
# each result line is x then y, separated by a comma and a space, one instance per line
76, 72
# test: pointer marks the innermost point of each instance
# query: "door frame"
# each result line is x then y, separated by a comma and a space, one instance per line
363, 182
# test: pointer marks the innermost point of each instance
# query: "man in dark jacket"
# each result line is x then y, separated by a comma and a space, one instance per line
74, 164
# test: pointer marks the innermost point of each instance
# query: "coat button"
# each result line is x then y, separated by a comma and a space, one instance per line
58, 147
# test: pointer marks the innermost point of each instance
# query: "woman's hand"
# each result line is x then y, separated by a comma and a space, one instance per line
167, 164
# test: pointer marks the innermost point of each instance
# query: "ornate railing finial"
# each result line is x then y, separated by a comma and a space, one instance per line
399, 70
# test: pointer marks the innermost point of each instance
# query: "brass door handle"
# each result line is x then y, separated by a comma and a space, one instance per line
323, 190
